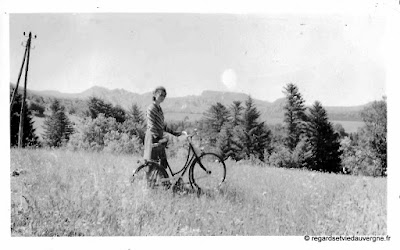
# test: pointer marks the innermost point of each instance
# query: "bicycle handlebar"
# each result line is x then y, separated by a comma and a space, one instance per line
190, 137
161, 142
164, 141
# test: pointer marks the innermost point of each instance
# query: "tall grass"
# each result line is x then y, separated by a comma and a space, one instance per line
65, 193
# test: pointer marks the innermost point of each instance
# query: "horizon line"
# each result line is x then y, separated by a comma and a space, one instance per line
217, 91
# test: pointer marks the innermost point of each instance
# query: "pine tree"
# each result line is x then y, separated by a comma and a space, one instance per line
57, 126
256, 135
236, 114
250, 115
237, 143
29, 136
136, 114
323, 142
294, 117
214, 118
229, 139
224, 142
134, 124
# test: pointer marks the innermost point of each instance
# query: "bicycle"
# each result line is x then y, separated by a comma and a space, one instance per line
206, 171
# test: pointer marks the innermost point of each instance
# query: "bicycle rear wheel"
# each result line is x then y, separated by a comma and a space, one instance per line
150, 175
209, 173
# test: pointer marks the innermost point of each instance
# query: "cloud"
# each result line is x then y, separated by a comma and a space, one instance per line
229, 79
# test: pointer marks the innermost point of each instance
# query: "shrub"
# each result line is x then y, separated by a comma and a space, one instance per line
106, 134
375, 118
37, 109
98, 106
358, 159
90, 133
132, 128
281, 156
122, 143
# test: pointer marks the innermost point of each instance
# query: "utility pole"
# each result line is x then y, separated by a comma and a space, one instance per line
19, 77
22, 113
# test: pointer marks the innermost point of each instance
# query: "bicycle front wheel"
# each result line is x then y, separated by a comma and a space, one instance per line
151, 175
208, 172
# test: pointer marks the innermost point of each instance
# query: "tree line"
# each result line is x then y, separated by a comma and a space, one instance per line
306, 139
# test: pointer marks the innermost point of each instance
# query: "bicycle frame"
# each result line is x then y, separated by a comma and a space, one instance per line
191, 159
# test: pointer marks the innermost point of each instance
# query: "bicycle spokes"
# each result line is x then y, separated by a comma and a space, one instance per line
208, 172
153, 175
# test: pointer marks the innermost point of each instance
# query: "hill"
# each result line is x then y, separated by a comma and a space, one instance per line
176, 108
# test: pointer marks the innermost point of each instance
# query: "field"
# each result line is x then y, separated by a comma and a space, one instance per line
64, 193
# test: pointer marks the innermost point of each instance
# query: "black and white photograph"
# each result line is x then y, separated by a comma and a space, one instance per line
138, 123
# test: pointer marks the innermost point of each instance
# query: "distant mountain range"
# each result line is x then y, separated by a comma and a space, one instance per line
194, 106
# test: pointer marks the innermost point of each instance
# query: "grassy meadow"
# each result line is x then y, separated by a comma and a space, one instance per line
64, 193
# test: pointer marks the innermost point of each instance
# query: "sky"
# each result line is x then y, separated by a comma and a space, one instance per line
335, 59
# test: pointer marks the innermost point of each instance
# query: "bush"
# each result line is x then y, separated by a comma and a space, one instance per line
105, 134
282, 157
90, 133
37, 109
132, 128
375, 118
122, 143
358, 159
98, 106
